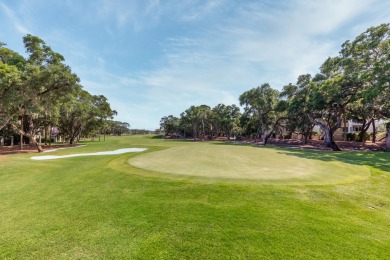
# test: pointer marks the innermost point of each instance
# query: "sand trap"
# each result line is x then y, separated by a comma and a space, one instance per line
119, 151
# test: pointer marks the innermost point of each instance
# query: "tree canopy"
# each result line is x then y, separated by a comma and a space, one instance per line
40, 91
355, 85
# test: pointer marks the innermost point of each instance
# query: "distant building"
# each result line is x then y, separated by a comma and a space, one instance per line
349, 128
353, 127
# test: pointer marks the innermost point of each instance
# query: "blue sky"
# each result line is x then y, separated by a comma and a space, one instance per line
153, 58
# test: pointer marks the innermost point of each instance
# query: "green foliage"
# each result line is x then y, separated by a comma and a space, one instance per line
169, 124
261, 103
225, 120
41, 88
351, 137
84, 113
298, 111
118, 127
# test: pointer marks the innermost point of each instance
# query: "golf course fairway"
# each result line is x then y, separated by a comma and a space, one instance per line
194, 200
238, 162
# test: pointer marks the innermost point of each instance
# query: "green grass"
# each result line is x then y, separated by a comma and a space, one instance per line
103, 207
250, 164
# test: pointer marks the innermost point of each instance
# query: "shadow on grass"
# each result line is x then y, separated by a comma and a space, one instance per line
235, 144
378, 160
160, 137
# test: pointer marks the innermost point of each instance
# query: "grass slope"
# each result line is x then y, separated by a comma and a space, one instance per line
101, 207
238, 162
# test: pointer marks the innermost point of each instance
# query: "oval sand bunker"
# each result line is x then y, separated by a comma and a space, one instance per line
251, 163
119, 151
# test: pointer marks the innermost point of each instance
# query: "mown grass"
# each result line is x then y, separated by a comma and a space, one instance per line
102, 207
253, 164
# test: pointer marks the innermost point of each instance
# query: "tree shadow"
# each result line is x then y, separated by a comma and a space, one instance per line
182, 140
224, 143
160, 137
377, 160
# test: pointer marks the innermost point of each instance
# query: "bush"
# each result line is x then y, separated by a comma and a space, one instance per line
356, 136
351, 137
49, 140
314, 133
366, 137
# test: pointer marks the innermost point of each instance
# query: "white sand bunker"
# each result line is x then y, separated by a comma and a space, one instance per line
119, 151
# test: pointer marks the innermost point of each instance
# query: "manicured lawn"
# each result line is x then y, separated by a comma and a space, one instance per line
253, 164
104, 207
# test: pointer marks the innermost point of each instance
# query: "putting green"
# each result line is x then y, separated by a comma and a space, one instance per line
265, 165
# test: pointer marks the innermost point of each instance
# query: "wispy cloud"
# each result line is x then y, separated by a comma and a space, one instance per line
14, 20
200, 9
256, 45
154, 58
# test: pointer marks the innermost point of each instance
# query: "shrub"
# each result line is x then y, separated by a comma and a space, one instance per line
351, 137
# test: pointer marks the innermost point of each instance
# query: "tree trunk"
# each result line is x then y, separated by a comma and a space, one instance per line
46, 135
362, 133
264, 138
257, 134
194, 133
328, 132
344, 127
33, 140
373, 131
203, 134
329, 141
21, 134
71, 140
305, 138
50, 133
311, 133
21, 142
388, 138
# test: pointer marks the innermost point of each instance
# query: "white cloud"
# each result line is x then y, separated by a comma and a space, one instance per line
241, 52
14, 20
198, 10
212, 51
257, 43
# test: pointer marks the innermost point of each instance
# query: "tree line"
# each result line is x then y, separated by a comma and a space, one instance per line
40, 91
354, 85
